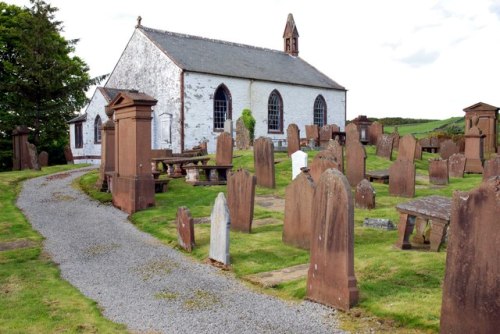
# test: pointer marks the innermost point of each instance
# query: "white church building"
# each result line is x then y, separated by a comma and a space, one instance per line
200, 82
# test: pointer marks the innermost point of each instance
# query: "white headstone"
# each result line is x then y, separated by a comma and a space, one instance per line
219, 231
228, 126
299, 160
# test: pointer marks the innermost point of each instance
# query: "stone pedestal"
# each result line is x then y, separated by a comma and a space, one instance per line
107, 151
133, 184
474, 151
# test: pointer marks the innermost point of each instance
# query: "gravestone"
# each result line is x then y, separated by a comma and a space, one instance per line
43, 159
447, 148
379, 223
491, 167
375, 130
331, 278
325, 134
312, 133
263, 153
224, 153
456, 165
242, 135
293, 139
384, 146
185, 228
351, 133
321, 162
240, 199
338, 152
407, 146
297, 225
68, 155
20, 156
365, 195
418, 151
438, 171
471, 289
299, 161
356, 162
395, 139
33, 156
402, 178
474, 151
228, 127
219, 231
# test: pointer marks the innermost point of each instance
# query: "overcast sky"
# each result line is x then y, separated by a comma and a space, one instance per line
419, 58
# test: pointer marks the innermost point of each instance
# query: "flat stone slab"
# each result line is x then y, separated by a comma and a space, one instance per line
270, 203
379, 223
431, 206
275, 277
266, 221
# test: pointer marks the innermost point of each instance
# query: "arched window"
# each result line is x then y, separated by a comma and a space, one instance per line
97, 130
275, 113
222, 107
319, 111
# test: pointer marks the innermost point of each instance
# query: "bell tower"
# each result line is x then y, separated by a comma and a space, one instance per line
291, 37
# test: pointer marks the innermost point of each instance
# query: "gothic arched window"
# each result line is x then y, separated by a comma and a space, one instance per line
319, 117
97, 130
222, 107
275, 113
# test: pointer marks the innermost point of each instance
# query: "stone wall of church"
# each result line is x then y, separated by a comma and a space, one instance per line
298, 102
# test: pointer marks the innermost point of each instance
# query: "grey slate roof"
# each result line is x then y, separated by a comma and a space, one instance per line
110, 93
79, 118
202, 55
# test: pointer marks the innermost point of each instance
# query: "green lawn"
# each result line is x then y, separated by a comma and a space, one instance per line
33, 296
401, 287
424, 129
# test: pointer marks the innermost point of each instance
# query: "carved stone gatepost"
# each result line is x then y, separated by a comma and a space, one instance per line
107, 151
133, 184
20, 157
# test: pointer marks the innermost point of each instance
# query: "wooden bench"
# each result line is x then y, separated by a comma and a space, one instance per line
214, 175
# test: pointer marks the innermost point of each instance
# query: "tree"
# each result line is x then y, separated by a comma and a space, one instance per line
42, 83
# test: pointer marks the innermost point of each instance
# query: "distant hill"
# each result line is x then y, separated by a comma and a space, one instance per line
423, 129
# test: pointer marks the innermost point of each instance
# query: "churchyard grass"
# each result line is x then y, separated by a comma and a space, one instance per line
33, 296
403, 288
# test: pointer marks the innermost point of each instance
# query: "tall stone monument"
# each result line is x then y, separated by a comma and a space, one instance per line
487, 123
474, 153
107, 151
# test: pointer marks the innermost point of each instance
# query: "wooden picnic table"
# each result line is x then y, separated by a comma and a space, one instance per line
175, 166
418, 213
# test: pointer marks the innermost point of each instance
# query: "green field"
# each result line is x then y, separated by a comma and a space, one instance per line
425, 129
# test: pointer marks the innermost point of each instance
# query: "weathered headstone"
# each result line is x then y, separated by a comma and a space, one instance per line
43, 159
20, 156
263, 153
297, 226
491, 167
331, 278
293, 138
395, 139
384, 146
240, 199
456, 165
351, 133
356, 162
312, 132
192, 174
325, 134
228, 126
299, 161
68, 155
471, 289
321, 162
447, 148
375, 130
407, 145
418, 151
338, 152
242, 135
185, 228
438, 171
365, 195
219, 231
402, 178
224, 153
474, 141
33, 156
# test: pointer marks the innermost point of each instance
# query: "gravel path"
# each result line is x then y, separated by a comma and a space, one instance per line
144, 284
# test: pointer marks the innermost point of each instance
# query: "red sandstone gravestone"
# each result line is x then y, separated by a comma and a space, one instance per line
384, 146
491, 167
456, 165
242, 135
68, 155
355, 158
321, 162
224, 153
474, 151
418, 151
293, 139
240, 199
471, 289
351, 132
338, 152
438, 171
447, 148
402, 178
407, 146
298, 205
331, 278
375, 130
263, 153
43, 159
185, 228
365, 195
20, 157
395, 139
325, 134
33, 156
312, 132
107, 152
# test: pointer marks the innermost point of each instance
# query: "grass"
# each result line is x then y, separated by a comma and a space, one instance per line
423, 129
400, 288
33, 296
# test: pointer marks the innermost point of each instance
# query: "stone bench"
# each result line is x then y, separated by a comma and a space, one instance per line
214, 175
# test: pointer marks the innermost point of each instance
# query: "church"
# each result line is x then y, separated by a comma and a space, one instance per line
201, 82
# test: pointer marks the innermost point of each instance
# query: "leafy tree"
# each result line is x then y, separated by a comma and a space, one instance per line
42, 82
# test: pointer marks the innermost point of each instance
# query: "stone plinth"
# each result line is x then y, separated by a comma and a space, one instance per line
299, 161
474, 151
365, 195
263, 153
438, 171
240, 199
402, 178
456, 165
407, 147
219, 231
321, 162
331, 278
297, 225
293, 139
384, 146
185, 228
471, 289
133, 184
356, 162
224, 153
20, 156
